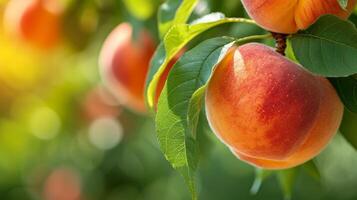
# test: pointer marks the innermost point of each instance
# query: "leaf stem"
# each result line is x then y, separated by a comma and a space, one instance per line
253, 37
242, 20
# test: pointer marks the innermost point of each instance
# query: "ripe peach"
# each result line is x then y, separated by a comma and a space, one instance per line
268, 110
124, 65
289, 16
35, 21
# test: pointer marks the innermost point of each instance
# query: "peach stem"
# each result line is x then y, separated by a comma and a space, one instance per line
280, 42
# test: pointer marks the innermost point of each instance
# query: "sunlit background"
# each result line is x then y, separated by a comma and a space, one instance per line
64, 136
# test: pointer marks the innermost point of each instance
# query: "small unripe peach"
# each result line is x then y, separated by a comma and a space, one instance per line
35, 21
289, 16
270, 111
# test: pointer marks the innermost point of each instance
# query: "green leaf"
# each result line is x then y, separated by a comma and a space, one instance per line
328, 47
177, 37
260, 176
311, 168
194, 109
347, 90
343, 3
286, 179
203, 136
353, 18
348, 127
190, 73
156, 62
174, 12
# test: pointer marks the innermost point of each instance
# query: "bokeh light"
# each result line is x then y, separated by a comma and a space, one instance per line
45, 123
105, 133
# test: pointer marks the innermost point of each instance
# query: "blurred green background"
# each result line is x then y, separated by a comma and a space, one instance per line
64, 137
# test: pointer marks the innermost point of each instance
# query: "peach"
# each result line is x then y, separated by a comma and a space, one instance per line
36, 21
270, 111
289, 16
125, 63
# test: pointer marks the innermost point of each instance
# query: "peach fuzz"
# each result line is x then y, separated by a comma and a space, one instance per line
289, 16
35, 21
270, 111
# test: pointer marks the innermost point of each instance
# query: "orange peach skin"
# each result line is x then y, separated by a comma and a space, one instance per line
289, 16
268, 110
36, 21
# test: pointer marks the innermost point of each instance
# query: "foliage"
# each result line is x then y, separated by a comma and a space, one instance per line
47, 121
327, 48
